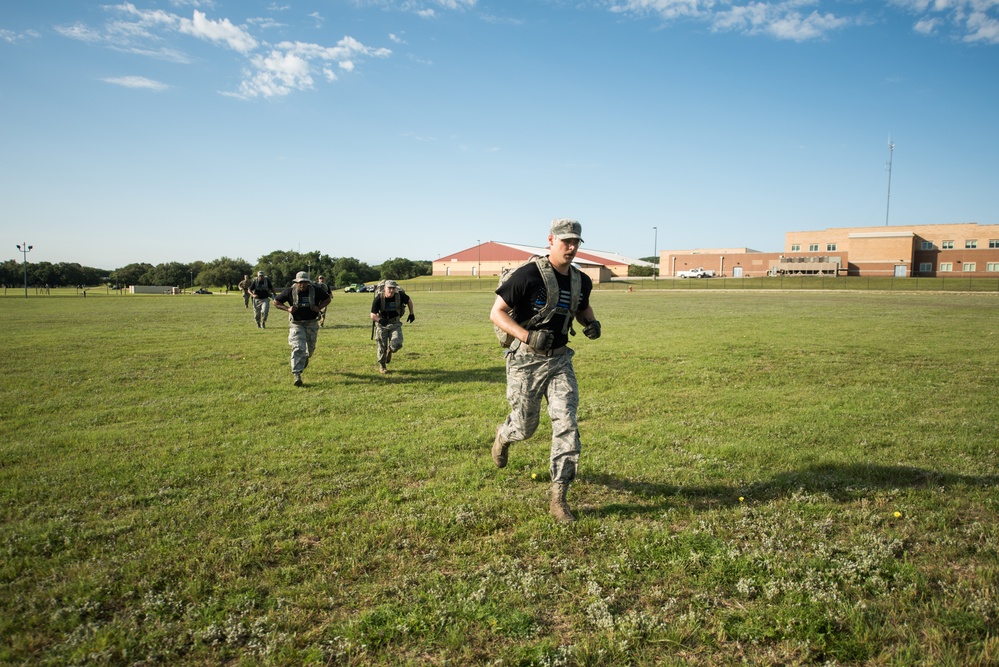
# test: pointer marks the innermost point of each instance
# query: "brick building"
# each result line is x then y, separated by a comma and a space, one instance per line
966, 249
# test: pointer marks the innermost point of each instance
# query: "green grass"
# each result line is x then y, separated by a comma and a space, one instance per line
169, 497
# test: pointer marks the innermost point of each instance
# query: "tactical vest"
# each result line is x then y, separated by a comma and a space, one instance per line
551, 308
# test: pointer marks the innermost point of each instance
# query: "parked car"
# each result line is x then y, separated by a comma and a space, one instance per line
201, 290
355, 287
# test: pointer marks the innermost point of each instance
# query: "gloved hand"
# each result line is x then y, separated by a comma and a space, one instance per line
592, 330
540, 340
411, 317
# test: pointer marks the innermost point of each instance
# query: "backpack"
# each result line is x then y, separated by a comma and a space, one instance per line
261, 284
550, 308
380, 295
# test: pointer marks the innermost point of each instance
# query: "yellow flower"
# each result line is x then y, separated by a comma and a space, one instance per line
741, 499
898, 515
534, 475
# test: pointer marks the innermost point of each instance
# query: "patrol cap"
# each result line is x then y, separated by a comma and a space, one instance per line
391, 283
260, 273
563, 228
301, 277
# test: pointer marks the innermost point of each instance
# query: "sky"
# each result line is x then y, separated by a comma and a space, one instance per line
182, 130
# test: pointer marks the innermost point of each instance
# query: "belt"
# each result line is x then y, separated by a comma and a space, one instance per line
557, 352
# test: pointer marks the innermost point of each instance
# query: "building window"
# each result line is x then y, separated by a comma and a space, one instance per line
947, 245
992, 266
993, 243
971, 244
926, 267
968, 266
813, 247
796, 247
926, 245
830, 247
946, 266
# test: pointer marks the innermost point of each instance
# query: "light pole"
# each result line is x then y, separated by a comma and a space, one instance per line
25, 249
478, 271
655, 242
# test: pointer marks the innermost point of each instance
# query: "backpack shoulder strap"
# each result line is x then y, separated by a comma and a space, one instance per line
552, 294
295, 295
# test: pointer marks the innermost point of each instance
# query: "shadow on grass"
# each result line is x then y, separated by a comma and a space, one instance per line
842, 483
442, 376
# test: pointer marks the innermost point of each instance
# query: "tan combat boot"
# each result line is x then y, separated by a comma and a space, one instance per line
559, 507
500, 449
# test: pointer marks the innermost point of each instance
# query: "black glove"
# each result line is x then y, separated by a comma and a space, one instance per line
592, 330
540, 340
411, 317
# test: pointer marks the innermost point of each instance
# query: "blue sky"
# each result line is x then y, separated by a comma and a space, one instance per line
155, 131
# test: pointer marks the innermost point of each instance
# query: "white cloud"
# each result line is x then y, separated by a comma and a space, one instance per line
208, 4
290, 66
423, 8
456, 4
218, 31
278, 71
982, 28
970, 20
12, 37
926, 26
803, 20
669, 10
277, 75
780, 20
137, 82
266, 23
80, 32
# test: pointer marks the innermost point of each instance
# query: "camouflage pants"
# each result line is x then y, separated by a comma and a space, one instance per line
302, 337
389, 337
246, 299
260, 309
529, 378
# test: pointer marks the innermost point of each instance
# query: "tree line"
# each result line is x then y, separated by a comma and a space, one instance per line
280, 266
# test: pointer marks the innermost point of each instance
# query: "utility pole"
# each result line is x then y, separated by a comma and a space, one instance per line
25, 249
891, 153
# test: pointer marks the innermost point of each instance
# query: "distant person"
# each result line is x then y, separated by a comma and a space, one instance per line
386, 315
244, 286
261, 289
536, 305
321, 282
303, 301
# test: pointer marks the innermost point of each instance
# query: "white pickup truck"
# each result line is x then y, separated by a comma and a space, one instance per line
699, 272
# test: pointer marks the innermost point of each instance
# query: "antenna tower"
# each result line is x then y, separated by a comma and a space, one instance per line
891, 153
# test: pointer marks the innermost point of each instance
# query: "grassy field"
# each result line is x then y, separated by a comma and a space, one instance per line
771, 478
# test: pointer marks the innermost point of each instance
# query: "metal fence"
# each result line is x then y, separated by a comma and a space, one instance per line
806, 282
802, 282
